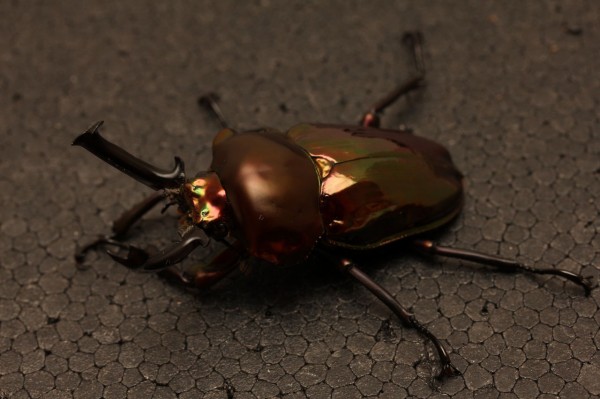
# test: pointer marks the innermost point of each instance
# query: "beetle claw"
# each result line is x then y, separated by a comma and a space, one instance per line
448, 370
140, 259
82, 251
136, 257
588, 284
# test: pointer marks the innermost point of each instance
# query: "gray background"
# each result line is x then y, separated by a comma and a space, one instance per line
510, 92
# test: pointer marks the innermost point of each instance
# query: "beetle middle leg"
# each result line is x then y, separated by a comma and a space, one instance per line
448, 369
121, 226
503, 264
413, 40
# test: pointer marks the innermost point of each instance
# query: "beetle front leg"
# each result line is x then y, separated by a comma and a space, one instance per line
500, 263
139, 259
121, 226
128, 218
448, 369
205, 274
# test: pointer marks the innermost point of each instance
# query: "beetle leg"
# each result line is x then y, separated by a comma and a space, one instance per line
121, 226
413, 40
372, 117
448, 369
205, 274
500, 263
139, 259
100, 241
209, 102
128, 218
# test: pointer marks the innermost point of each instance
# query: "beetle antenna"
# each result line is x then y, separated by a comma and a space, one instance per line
503, 264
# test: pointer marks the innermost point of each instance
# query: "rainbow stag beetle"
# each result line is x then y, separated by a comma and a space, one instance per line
278, 197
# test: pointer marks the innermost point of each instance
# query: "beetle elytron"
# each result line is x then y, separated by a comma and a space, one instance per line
278, 197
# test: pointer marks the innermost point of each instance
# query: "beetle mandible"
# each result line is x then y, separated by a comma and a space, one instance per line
279, 197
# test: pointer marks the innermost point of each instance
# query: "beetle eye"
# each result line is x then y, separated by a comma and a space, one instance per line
204, 213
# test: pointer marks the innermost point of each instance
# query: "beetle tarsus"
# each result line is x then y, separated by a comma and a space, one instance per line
503, 264
405, 316
139, 259
120, 226
448, 370
178, 277
82, 251
129, 217
414, 41
586, 282
135, 258
588, 285
209, 102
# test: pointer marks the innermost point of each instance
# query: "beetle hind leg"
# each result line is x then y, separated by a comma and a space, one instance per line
500, 263
414, 41
448, 369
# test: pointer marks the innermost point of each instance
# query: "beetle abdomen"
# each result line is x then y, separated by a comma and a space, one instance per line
380, 185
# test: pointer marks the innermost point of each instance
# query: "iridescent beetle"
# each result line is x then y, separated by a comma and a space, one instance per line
279, 197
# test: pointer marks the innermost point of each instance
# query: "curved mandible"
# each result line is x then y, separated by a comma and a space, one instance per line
142, 171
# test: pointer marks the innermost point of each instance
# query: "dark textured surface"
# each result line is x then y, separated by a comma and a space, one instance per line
512, 91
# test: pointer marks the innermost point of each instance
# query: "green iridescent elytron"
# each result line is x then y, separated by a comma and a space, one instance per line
379, 185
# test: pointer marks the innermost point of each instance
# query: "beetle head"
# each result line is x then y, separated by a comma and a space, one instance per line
202, 204
201, 200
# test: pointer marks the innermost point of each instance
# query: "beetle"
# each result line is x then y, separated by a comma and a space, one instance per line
317, 188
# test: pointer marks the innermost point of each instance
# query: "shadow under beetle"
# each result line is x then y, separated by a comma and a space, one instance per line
318, 187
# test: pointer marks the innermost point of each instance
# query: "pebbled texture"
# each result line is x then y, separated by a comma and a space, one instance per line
512, 91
